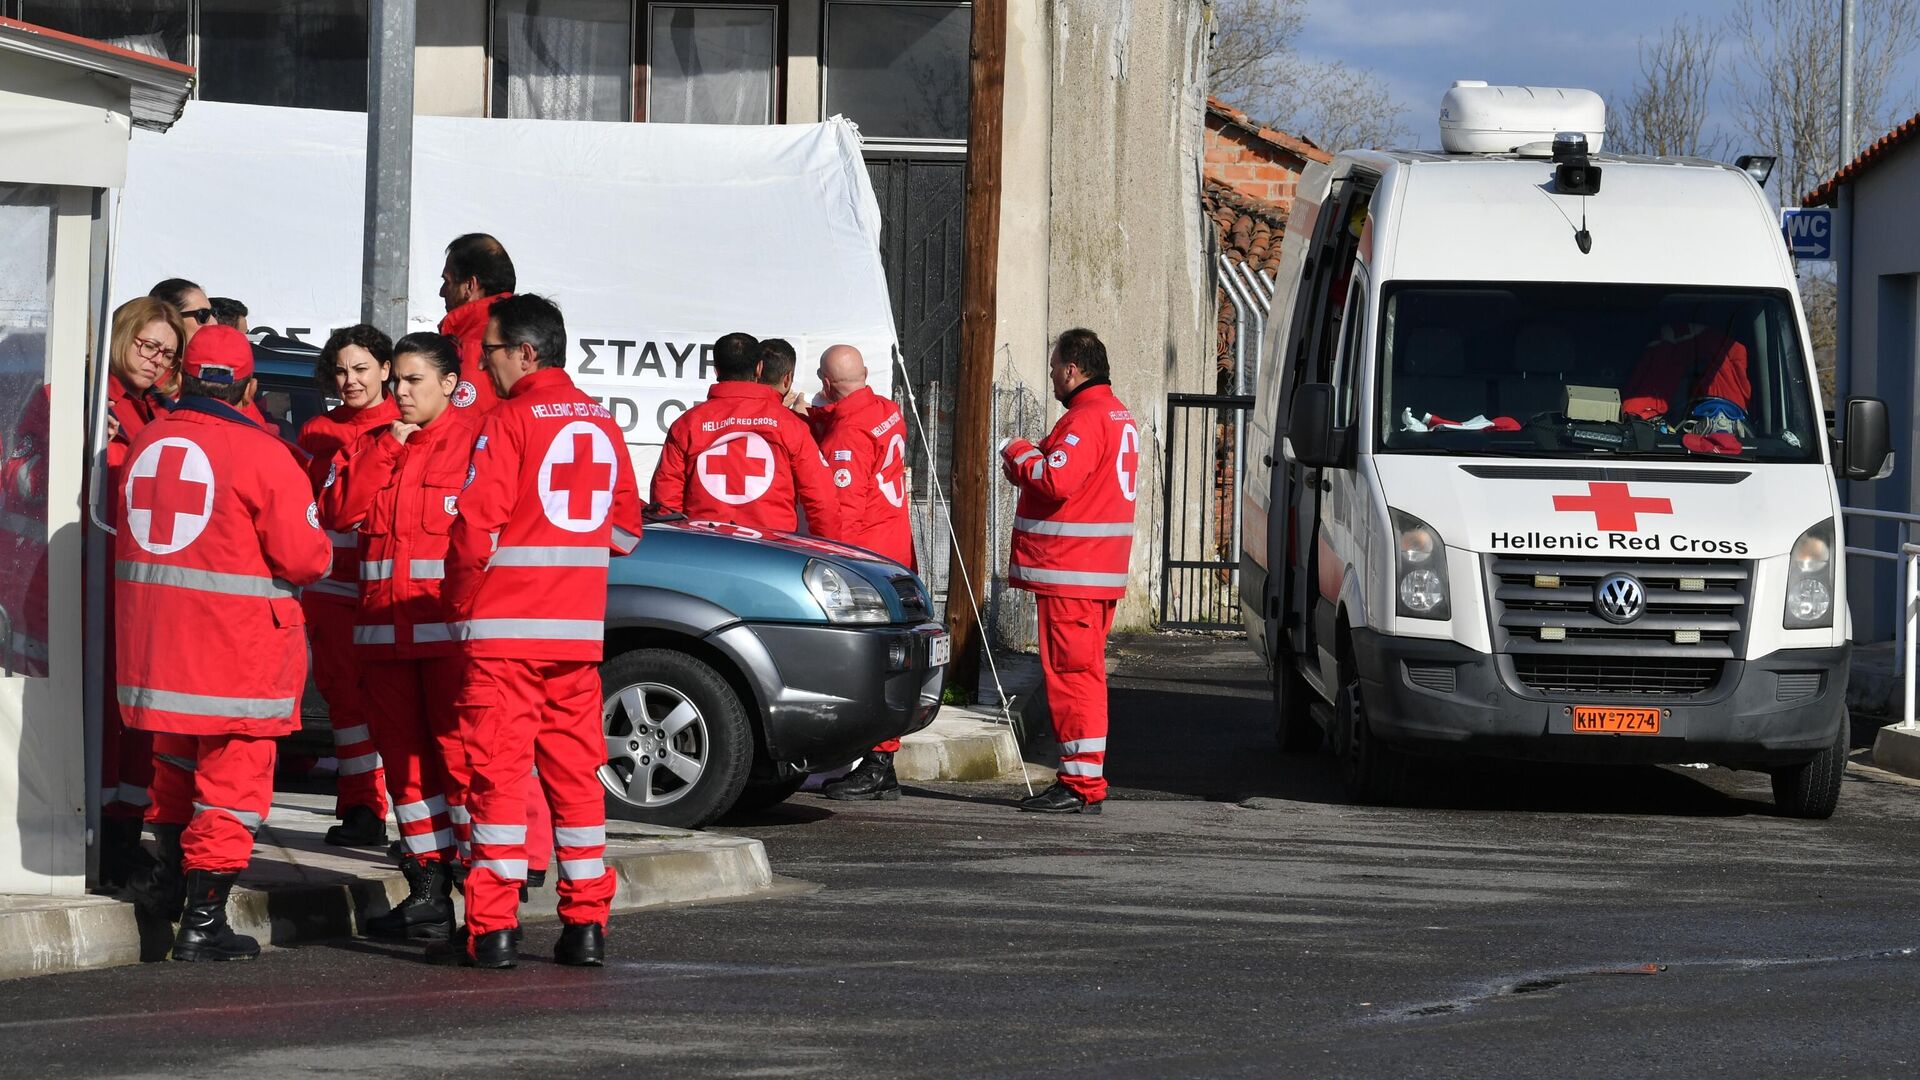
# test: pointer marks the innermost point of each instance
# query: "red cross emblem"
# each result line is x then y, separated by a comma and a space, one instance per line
576, 479
737, 469
1126, 464
891, 479
169, 495
1613, 508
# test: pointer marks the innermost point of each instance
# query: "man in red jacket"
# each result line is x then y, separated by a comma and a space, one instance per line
740, 455
478, 274
550, 494
1072, 536
864, 439
353, 366
220, 529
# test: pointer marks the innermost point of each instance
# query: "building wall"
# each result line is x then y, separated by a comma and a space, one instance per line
1885, 347
1126, 254
1249, 166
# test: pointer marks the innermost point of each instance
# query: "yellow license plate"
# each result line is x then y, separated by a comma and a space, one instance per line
1591, 719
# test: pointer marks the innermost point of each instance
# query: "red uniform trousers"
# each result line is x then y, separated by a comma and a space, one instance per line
1073, 658
413, 725
336, 673
220, 787
516, 715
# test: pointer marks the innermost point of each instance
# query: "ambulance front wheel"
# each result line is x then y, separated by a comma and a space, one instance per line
1371, 771
679, 744
1812, 790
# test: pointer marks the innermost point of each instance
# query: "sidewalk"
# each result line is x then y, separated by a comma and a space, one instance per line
300, 890
981, 741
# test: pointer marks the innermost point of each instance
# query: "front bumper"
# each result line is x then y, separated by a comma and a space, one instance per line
834, 691
1742, 722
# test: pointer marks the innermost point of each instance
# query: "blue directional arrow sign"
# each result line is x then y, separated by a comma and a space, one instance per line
1809, 231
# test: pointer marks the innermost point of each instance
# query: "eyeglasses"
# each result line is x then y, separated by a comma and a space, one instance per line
152, 350
487, 350
203, 316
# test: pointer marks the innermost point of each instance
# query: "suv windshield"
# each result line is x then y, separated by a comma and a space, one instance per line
1558, 370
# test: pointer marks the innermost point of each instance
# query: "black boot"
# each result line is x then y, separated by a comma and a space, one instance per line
122, 859
161, 889
427, 912
360, 828
536, 879
498, 949
1060, 799
204, 933
581, 945
873, 780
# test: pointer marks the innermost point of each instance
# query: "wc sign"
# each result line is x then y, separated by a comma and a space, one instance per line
1809, 231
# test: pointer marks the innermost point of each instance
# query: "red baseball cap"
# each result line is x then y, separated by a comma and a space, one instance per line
219, 354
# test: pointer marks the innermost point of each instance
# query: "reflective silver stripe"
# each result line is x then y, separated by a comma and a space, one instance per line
465, 849
238, 708
548, 556
431, 631
1038, 468
543, 629
183, 764
511, 869
1066, 577
22, 525
343, 539
1084, 746
126, 793
457, 813
1079, 768
335, 588
347, 736
484, 833
251, 821
624, 540
354, 766
420, 811
376, 569
426, 569
581, 836
581, 869
186, 577
1026, 457
422, 843
1072, 528
373, 635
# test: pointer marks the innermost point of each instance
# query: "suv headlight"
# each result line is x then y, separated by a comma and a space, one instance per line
1420, 569
1810, 579
844, 596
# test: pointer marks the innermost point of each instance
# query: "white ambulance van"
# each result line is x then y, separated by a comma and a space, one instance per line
1538, 465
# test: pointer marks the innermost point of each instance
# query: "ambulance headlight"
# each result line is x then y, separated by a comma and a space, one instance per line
845, 597
1420, 569
1810, 579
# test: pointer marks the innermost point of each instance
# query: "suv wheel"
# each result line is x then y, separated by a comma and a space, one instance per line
678, 741
1812, 790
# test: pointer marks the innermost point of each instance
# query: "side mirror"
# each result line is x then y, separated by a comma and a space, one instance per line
1866, 451
1310, 431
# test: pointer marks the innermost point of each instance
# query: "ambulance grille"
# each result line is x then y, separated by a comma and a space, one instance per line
1695, 620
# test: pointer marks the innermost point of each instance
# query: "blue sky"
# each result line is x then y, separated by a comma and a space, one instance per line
1418, 47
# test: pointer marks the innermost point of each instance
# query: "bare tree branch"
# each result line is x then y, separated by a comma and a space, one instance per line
1667, 112
1255, 66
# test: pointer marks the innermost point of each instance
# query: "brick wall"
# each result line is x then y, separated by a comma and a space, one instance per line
1251, 166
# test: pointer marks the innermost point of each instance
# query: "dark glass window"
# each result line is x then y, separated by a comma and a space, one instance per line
154, 27
563, 61
899, 70
710, 65
308, 54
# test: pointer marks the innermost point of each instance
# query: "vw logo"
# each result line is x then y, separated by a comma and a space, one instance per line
1619, 598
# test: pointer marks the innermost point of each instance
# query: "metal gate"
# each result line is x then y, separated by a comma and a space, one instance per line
1200, 519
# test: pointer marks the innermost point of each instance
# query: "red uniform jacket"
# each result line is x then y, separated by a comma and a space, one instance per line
403, 498
738, 457
135, 412
330, 438
467, 324
1073, 525
1683, 364
549, 493
23, 536
219, 528
863, 436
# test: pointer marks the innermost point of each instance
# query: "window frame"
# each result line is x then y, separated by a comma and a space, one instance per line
643, 56
890, 142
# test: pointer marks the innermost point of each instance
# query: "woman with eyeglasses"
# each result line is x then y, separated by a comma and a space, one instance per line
143, 355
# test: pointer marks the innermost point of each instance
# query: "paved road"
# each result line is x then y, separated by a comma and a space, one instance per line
1229, 916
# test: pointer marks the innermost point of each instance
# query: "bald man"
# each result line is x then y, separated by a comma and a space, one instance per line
863, 436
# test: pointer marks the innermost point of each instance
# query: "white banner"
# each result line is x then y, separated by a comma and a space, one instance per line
654, 239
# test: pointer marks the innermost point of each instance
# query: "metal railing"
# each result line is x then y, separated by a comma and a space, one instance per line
1910, 624
1900, 556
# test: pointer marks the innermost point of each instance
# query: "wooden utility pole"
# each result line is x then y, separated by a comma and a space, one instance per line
973, 393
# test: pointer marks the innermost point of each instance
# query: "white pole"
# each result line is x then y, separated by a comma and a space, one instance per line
1912, 617
1847, 145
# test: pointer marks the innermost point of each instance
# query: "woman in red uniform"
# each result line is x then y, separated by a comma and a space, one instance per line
143, 356
354, 366
400, 487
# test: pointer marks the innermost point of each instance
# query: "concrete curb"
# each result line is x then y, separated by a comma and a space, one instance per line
1897, 749
958, 745
43, 936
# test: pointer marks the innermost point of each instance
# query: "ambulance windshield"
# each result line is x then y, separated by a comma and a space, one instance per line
1575, 370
